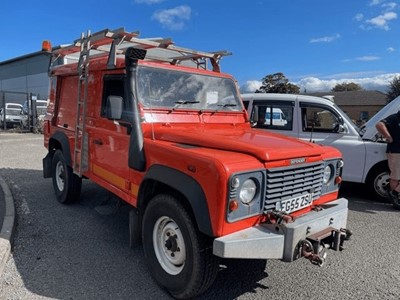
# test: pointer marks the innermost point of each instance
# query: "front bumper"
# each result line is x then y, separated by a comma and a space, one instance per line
281, 241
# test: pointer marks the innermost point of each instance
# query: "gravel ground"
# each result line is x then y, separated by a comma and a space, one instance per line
75, 252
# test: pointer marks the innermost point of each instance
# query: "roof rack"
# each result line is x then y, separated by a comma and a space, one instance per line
115, 42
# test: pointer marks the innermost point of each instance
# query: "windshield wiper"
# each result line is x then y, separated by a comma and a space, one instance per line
221, 106
227, 105
182, 102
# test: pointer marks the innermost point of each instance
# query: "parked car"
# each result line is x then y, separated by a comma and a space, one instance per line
38, 106
320, 120
36, 110
14, 115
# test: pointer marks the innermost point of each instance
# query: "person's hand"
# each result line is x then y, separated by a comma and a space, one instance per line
389, 139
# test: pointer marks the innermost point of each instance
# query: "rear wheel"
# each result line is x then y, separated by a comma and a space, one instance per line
66, 184
179, 257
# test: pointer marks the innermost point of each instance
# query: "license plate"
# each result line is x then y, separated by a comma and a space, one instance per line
293, 204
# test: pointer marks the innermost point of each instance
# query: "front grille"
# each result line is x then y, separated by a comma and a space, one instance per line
289, 182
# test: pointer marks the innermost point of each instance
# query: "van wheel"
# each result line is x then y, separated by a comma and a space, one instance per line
378, 182
179, 257
66, 184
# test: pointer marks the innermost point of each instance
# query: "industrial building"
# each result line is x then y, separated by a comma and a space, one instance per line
23, 76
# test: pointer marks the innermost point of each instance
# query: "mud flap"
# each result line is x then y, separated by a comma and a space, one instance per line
135, 230
47, 161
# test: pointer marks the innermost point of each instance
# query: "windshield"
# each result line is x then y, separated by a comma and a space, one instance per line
13, 110
162, 88
345, 116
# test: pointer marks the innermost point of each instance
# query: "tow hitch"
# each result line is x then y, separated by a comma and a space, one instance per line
314, 247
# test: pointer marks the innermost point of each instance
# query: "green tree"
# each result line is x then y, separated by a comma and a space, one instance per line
394, 89
277, 83
346, 86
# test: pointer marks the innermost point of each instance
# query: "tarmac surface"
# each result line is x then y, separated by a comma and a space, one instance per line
7, 219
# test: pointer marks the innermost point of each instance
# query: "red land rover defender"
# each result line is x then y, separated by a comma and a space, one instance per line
164, 130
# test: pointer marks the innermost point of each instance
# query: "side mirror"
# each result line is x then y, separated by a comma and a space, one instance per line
114, 107
342, 128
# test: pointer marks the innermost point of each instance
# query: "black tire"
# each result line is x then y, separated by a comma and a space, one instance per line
377, 183
179, 257
66, 184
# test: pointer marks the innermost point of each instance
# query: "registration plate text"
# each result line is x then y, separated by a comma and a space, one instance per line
293, 204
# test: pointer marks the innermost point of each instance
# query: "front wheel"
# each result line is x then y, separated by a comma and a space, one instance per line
66, 184
179, 257
378, 182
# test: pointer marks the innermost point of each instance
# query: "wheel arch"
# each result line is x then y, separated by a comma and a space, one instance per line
58, 141
382, 165
377, 169
163, 179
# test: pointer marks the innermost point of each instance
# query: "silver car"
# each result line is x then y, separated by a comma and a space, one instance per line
14, 115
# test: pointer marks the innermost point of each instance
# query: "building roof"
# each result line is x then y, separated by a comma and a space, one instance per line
356, 98
20, 58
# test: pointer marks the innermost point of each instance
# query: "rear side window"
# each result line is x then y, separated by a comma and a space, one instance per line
276, 115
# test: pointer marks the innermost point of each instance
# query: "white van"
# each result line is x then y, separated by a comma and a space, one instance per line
320, 120
275, 116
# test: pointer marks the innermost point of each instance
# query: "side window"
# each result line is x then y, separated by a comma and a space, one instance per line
113, 85
319, 119
274, 115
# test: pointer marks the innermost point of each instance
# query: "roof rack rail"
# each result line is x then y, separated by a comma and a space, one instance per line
115, 42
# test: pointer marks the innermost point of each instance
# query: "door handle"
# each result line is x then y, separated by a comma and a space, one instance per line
98, 142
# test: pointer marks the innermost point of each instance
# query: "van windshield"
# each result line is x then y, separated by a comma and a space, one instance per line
13, 109
171, 89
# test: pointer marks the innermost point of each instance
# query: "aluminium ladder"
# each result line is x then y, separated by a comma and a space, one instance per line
81, 140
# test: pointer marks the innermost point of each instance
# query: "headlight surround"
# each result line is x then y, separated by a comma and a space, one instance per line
248, 191
246, 195
328, 173
235, 182
340, 164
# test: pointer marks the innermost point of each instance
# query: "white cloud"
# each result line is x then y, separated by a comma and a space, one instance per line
250, 86
367, 80
368, 58
389, 6
383, 20
148, 1
375, 2
362, 58
325, 39
173, 18
359, 17
391, 49
378, 82
313, 84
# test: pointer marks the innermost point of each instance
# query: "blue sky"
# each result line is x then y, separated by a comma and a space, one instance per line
314, 43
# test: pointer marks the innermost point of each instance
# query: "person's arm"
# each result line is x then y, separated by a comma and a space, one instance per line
382, 129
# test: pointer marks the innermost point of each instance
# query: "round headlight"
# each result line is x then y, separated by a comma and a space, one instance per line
327, 174
248, 191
